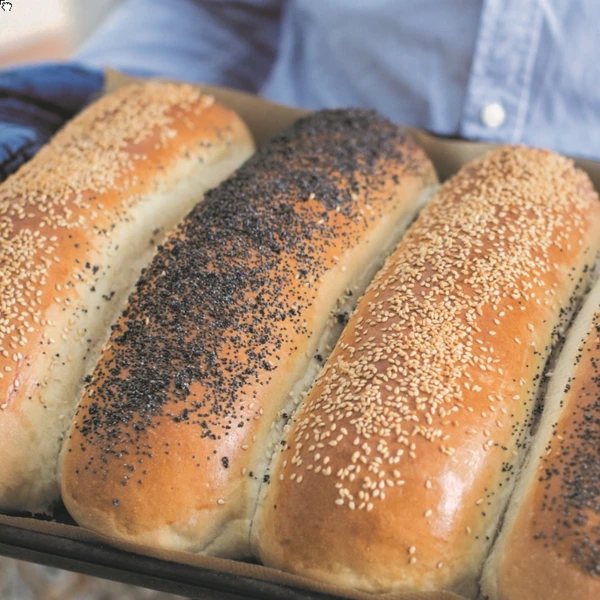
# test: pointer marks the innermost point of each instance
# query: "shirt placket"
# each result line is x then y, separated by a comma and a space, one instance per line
498, 91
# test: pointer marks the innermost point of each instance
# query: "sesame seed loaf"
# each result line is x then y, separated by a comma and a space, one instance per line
394, 472
77, 225
549, 545
234, 314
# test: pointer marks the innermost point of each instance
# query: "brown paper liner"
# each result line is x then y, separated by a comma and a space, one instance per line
266, 118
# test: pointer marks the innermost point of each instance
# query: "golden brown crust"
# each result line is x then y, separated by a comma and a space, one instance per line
63, 218
550, 542
397, 465
171, 434
69, 196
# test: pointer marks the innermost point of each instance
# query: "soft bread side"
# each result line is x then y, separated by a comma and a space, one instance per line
170, 440
395, 470
549, 545
77, 224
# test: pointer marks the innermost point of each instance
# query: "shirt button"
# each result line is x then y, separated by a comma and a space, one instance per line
493, 115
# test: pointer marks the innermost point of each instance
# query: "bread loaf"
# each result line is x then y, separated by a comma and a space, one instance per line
395, 470
77, 224
232, 318
549, 545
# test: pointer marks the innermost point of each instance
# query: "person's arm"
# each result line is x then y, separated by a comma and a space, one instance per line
35, 101
223, 42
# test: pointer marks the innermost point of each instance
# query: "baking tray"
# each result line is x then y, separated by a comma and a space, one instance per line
60, 543
119, 565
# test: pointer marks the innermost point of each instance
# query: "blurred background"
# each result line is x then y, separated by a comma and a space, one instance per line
33, 30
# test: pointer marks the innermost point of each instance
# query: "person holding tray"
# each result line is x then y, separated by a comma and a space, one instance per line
511, 72
514, 72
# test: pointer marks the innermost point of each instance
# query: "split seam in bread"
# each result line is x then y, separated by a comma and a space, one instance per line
549, 540
77, 225
171, 434
398, 465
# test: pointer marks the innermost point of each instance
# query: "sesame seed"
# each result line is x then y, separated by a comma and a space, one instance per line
418, 360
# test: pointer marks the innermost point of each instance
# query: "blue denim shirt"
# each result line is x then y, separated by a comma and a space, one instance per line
35, 101
498, 70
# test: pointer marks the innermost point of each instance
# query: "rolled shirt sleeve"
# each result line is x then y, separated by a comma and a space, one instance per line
35, 101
